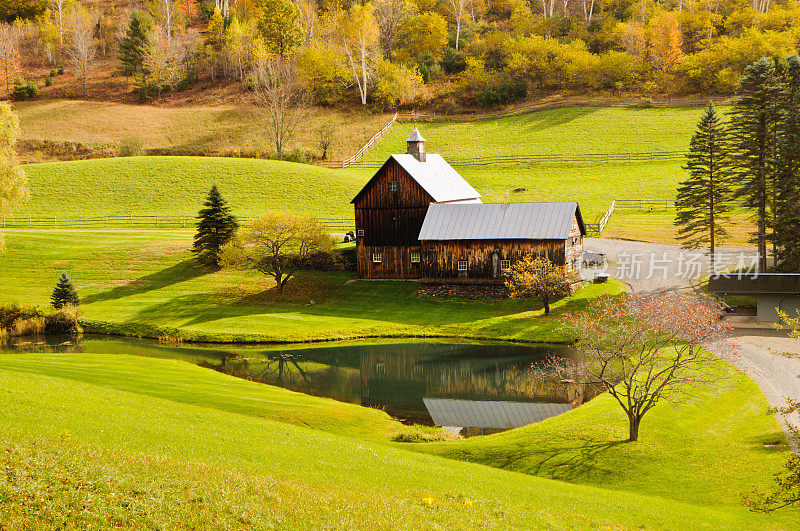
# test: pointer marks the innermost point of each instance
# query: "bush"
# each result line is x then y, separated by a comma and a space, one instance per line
23, 90
60, 70
131, 146
63, 321
48, 81
453, 61
53, 72
16, 320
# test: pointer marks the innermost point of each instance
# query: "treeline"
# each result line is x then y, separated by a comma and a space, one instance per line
402, 52
750, 161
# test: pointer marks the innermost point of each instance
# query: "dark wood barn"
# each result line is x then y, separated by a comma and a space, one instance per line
390, 209
418, 218
482, 241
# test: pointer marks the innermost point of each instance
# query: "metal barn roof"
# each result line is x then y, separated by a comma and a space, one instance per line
500, 221
485, 414
435, 176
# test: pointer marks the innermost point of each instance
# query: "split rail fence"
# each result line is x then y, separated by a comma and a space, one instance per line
360, 153
343, 224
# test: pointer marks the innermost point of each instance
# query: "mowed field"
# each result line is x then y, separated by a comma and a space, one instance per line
176, 185
172, 445
146, 283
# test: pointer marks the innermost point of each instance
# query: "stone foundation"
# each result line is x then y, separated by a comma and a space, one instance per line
463, 291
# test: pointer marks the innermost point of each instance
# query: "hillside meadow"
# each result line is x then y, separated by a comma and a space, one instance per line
146, 283
158, 451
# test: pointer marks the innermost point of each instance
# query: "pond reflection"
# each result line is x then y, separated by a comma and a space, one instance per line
473, 388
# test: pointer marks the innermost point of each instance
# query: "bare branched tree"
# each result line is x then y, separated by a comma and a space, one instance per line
81, 23
646, 348
166, 9
308, 18
359, 38
391, 15
456, 9
58, 5
281, 98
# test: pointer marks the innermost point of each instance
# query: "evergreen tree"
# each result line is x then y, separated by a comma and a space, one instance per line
786, 237
755, 131
64, 293
215, 227
133, 46
704, 199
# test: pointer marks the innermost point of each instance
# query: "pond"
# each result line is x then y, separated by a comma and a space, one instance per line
471, 388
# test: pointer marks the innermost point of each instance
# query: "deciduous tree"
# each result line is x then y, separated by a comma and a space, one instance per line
537, 277
705, 198
360, 39
81, 50
9, 54
279, 26
390, 16
276, 243
643, 349
13, 183
280, 97
215, 227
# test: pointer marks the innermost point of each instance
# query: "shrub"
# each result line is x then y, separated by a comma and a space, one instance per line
16, 320
63, 321
48, 81
60, 70
131, 146
53, 72
453, 61
23, 90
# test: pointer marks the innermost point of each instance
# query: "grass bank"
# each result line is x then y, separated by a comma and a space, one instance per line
146, 284
164, 449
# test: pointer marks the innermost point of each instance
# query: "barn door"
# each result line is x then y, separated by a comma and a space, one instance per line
495, 265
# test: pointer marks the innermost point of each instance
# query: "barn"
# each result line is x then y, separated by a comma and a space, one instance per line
417, 218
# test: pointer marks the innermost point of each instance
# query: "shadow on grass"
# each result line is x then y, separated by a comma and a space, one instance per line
180, 272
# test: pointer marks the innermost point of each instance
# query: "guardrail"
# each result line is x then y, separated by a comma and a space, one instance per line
360, 153
134, 221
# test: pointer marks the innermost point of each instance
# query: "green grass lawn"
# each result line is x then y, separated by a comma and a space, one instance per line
177, 185
162, 449
146, 283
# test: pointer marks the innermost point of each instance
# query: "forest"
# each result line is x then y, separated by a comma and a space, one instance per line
445, 55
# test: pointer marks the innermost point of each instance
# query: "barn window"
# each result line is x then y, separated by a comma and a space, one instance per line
380, 368
376, 258
414, 258
393, 186
360, 233
462, 265
505, 265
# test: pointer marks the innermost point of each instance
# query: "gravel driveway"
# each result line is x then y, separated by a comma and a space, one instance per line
657, 267
777, 375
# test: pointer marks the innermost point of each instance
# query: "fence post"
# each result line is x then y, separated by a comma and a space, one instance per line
80, 221
156, 221
131, 220
106, 219
183, 216
30, 223
55, 221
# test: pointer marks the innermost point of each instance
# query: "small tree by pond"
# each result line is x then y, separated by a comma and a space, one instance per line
538, 278
276, 244
215, 227
64, 293
645, 348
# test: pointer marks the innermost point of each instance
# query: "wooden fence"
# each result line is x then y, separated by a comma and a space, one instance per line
544, 159
646, 204
360, 153
597, 228
135, 221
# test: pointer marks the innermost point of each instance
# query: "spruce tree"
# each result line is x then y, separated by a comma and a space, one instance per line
133, 46
64, 293
215, 227
704, 199
755, 130
786, 236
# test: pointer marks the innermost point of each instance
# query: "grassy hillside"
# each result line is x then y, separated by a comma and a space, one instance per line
146, 283
197, 128
177, 460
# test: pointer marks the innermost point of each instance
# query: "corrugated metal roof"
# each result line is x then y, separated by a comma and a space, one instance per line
486, 414
500, 221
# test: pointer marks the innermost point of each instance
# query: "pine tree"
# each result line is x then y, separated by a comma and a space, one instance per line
133, 46
755, 131
215, 227
786, 235
704, 199
64, 293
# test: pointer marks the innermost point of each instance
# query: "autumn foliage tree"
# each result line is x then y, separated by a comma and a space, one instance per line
538, 278
276, 244
643, 349
9, 54
13, 183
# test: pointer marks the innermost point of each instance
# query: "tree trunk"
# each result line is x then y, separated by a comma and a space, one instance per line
546, 307
633, 428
